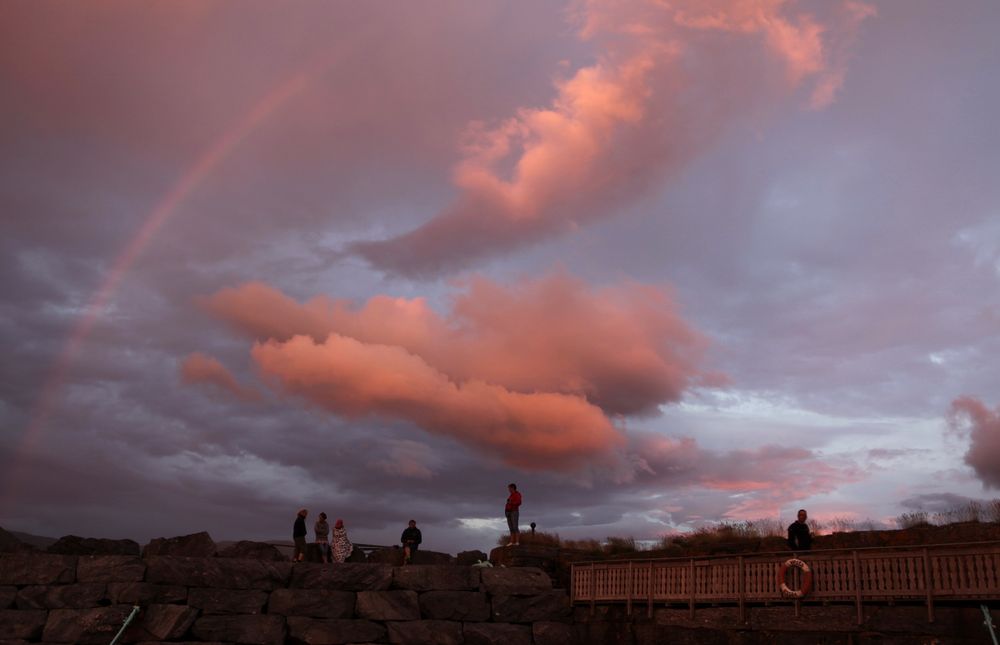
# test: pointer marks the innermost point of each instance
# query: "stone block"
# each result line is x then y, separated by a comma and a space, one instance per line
343, 577
496, 634
196, 545
145, 593
313, 603
227, 601
247, 550
76, 545
85, 626
468, 558
224, 573
398, 604
161, 623
248, 630
425, 557
313, 631
392, 556
15, 624
463, 606
7, 595
76, 596
509, 582
421, 632
31, 568
436, 578
550, 633
110, 568
550, 606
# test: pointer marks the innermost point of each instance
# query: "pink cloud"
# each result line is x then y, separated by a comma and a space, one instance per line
625, 349
613, 128
984, 437
198, 368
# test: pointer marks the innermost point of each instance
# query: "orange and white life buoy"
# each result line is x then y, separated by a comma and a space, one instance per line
807, 578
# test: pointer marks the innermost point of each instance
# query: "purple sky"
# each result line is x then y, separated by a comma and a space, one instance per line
661, 264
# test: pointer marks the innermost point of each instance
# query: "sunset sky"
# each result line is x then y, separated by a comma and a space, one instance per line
663, 263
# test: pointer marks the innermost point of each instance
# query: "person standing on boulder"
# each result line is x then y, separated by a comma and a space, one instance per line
299, 535
799, 538
511, 510
411, 539
342, 547
322, 530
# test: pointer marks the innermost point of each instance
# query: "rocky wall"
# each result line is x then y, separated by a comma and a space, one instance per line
53, 598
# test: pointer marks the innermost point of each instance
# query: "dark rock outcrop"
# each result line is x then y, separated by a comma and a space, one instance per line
465, 606
420, 632
313, 630
496, 634
468, 558
398, 604
10, 544
249, 630
110, 568
227, 601
30, 568
76, 545
248, 550
504, 582
312, 603
344, 577
442, 577
196, 545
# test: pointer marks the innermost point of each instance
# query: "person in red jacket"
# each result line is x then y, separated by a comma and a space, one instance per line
511, 511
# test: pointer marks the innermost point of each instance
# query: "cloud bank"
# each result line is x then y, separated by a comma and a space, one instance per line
617, 127
984, 437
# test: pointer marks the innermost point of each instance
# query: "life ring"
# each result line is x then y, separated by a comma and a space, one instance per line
807, 578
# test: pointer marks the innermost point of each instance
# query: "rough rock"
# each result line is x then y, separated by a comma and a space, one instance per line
227, 601
549, 633
496, 634
321, 631
7, 595
10, 544
314, 603
248, 550
218, 572
357, 555
499, 581
465, 606
110, 568
344, 577
144, 593
431, 557
420, 632
76, 545
392, 557
196, 545
30, 568
85, 626
388, 605
551, 606
21, 624
467, 558
75, 596
438, 578
161, 623
250, 630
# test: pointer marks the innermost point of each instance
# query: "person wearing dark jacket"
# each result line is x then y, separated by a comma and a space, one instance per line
411, 539
798, 533
299, 533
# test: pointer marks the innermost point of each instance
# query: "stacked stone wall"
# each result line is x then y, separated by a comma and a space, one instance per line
51, 598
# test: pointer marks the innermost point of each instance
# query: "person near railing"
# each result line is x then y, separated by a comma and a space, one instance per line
799, 538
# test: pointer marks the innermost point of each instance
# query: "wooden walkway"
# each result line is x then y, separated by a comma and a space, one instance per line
940, 572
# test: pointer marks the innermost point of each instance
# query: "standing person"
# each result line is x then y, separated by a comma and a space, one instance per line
411, 539
299, 535
798, 533
341, 546
513, 514
322, 530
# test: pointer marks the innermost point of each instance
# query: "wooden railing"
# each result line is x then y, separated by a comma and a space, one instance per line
946, 572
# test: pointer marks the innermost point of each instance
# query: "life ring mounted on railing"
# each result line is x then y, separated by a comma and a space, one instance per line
807, 578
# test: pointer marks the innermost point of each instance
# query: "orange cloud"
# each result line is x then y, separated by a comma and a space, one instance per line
984, 437
614, 127
199, 368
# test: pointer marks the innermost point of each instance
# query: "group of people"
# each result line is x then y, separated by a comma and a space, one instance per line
339, 548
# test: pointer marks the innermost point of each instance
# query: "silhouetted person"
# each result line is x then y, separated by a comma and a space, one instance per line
341, 546
322, 530
299, 533
511, 510
798, 533
411, 539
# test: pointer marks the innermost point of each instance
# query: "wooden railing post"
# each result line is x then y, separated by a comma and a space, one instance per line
928, 580
742, 583
693, 587
649, 588
628, 589
857, 586
593, 588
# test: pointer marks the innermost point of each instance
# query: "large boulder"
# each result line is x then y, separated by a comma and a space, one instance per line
110, 568
252, 551
398, 604
392, 556
313, 630
549, 606
227, 601
463, 606
16, 625
31, 568
427, 578
419, 632
550, 633
343, 577
496, 634
161, 623
145, 593
314, 603
248, 630
7, 595
75, 596
196, 545
222, 573
76, 545
431, 557
468, 558
85, 626
500, 581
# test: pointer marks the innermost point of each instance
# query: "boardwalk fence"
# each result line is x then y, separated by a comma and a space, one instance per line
888, 574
